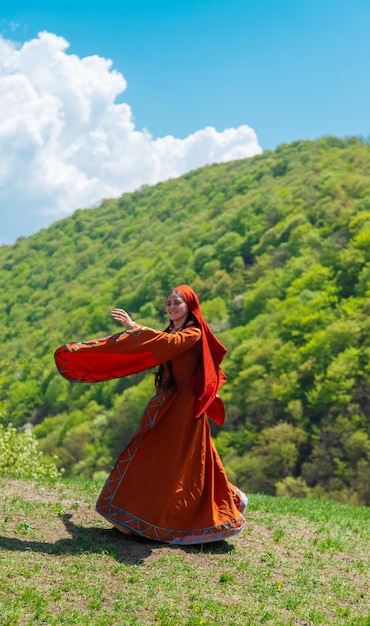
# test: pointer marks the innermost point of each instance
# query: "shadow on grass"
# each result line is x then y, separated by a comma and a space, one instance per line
128, 549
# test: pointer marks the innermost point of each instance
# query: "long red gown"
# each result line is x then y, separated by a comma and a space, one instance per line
169, 483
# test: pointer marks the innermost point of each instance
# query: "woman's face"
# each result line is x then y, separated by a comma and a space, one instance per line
176, 308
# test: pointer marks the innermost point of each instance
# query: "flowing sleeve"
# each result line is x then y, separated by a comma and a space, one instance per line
121, 354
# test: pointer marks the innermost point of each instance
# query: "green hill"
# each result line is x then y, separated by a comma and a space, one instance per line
298, 562
278, 248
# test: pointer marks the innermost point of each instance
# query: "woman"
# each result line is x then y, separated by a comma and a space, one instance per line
169, 483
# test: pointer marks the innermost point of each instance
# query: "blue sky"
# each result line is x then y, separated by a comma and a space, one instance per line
288, 69
291, 69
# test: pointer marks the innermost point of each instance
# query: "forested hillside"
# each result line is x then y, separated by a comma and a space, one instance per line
278, 249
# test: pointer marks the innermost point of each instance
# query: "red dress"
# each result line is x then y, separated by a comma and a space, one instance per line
169, 483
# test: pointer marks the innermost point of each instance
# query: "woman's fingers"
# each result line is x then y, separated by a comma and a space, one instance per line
121, 316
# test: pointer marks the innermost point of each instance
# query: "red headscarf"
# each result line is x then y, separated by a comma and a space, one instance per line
209, 376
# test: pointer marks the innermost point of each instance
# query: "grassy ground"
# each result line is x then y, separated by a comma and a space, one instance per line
299, 562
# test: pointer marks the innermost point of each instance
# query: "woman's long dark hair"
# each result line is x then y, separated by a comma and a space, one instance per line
170, 382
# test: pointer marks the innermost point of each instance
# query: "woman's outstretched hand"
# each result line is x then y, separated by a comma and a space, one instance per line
123, 318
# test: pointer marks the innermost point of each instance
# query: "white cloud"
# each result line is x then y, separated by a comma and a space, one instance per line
65, 143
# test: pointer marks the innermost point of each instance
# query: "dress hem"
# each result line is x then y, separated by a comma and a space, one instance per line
123, 519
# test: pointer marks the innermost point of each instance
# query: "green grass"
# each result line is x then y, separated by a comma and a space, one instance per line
299, 562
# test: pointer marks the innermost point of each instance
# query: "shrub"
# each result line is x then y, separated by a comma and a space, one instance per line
20, 457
